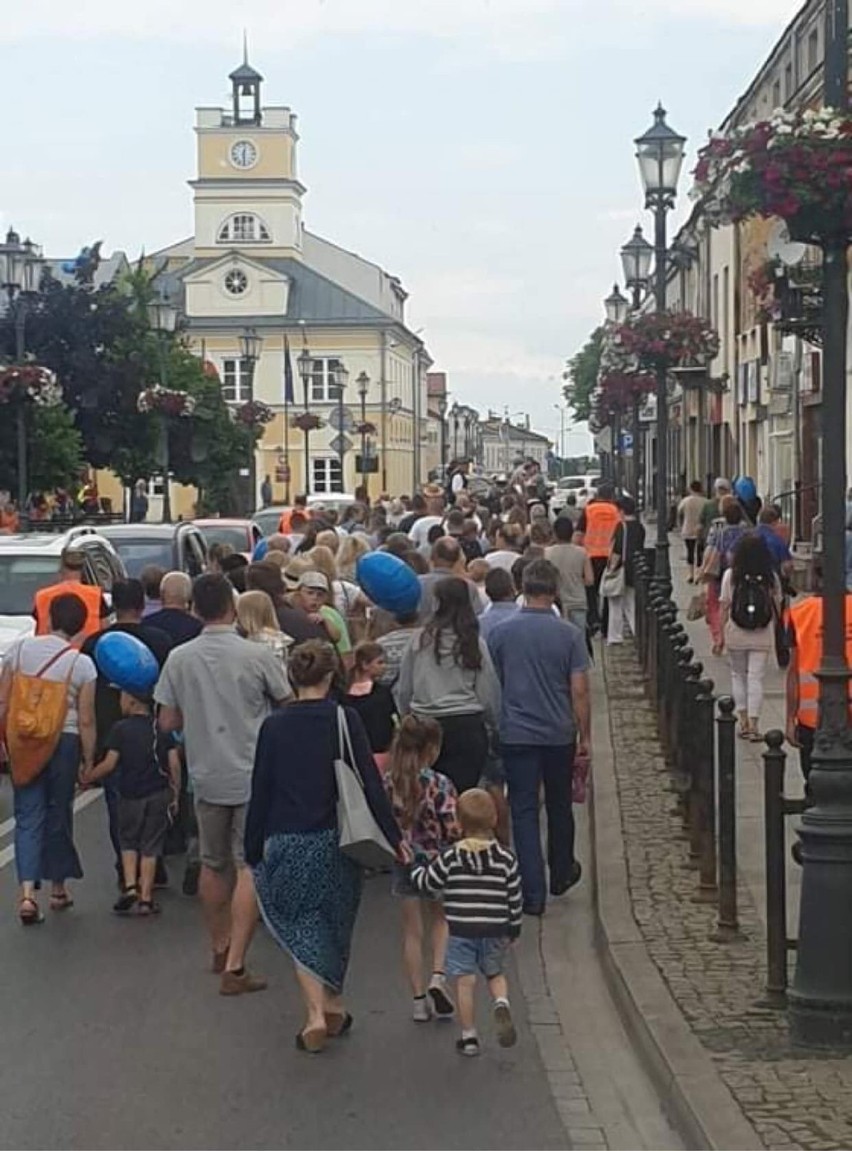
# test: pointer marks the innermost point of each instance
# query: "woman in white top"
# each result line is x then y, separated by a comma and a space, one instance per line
689, 513
507, 548
258, 622
749, 597
44, 808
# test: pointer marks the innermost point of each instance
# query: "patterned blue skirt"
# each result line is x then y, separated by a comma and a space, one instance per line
309, 893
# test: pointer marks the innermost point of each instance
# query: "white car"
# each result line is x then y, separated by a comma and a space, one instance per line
30, 561
584, 488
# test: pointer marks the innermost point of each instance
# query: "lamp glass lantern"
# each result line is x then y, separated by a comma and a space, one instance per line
251, 345
636, 257
363, 382
616, 306
660, 152
304, 363
341, 378
162, 313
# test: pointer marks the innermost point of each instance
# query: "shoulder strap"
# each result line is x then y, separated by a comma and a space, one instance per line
53, 659
344, 739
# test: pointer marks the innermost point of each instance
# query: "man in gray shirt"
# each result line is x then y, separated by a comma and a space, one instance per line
218, 689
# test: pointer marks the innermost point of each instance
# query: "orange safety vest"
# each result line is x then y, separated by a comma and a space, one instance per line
806, 618
601, 521
90, 594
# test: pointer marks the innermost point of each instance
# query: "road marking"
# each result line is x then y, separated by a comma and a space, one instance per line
80, 803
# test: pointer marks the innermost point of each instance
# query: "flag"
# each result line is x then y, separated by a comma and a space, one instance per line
288, 373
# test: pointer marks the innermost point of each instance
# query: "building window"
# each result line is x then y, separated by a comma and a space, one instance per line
236, 282
788, 81
236, 381
327, 476
776, 95
323, 380
813, 49
244, 228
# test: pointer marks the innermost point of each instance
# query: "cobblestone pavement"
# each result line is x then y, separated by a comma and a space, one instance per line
792, 1100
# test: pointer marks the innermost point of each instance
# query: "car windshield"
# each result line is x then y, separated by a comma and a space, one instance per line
268, 520
572, 482
236, 537
138, 553
21, 577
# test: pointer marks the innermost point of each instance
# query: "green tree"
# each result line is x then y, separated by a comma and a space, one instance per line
54, 455
581, 376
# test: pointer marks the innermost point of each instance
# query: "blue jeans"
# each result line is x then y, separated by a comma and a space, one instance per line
44, 819
527, 766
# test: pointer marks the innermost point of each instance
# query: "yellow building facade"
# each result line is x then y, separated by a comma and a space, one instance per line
252, 266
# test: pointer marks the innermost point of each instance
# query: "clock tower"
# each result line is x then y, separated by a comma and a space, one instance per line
247, 196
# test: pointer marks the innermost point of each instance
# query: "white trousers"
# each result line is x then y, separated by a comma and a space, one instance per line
621, 608
747, 671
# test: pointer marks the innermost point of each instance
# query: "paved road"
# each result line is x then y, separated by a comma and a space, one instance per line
114, 1036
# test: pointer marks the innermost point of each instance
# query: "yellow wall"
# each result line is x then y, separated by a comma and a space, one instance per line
275, 154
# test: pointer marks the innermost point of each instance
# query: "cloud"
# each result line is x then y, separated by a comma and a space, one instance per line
757, 13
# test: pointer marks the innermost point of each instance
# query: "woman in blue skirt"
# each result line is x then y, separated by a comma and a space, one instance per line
308, 890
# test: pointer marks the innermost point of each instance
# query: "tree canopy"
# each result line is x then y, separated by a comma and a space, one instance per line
581, 376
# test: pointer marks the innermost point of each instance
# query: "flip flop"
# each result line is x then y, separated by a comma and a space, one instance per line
29, 913
337, 1024
312, 1041
61, 902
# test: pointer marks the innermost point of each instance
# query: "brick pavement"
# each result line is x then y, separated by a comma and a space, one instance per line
792, 1099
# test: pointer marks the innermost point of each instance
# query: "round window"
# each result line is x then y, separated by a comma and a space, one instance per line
236, 282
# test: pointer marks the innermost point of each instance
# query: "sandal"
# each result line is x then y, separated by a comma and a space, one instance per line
61, 901
148, 907
312, 1041
337, 1025
29, 912
126, 902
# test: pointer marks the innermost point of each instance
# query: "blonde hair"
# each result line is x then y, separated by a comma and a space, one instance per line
417, 744
351, 550
328, 538
280, 559
477, 570
295, 569
322, 560
477, 812
256, 613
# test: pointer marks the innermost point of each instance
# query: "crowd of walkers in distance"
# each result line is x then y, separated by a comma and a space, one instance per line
458, 716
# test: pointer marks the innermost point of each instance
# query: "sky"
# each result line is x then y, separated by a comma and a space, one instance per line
479, 149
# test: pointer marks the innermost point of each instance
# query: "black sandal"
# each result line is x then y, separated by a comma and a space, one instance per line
148, 907
126, 902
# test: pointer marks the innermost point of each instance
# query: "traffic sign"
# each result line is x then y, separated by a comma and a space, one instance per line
348, 419
341, 443
627, 441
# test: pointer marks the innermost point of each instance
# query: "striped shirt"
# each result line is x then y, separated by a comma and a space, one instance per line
481, 886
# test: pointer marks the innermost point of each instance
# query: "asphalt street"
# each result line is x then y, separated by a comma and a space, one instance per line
114, 1036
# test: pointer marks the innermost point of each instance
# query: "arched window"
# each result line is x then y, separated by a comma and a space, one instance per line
244, 228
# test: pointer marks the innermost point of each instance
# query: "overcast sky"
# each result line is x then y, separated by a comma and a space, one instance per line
479, 149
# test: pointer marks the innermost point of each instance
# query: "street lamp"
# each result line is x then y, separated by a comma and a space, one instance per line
305, 364
363, 382
251, 345
616, 306
454, 413
442, 412
660, 152
20, 275
163, 318
341, 381
636, 257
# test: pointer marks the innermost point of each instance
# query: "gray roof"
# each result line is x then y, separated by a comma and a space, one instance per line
313, 299
108, 271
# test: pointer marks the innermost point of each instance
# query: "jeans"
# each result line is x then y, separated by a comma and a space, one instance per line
527, 766
747, 671
44, 819
621, 608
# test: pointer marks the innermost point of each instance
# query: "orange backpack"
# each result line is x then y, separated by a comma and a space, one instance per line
35, 717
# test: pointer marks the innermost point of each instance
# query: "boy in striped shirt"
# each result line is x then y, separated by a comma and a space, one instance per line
480, 884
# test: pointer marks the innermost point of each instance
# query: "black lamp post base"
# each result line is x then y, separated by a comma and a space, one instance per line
662, 568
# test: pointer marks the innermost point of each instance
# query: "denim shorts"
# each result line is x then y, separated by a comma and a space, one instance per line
469, 956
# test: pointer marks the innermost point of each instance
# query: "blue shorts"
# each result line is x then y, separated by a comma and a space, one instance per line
469, 956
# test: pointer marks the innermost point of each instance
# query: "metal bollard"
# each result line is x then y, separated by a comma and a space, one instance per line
706, 768
727, 926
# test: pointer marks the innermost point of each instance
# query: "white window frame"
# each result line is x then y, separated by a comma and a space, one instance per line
236, 376
326, 476
322, 383
244, 228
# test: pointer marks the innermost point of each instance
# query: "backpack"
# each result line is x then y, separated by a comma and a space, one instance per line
751, 603
34, 718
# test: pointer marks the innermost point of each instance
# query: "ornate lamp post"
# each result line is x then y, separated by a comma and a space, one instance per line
616, 308
660, 152
341, 382
20, 272
442, 412
163, 318
305, 363
636, 256
251, 345
363, 382
454, 413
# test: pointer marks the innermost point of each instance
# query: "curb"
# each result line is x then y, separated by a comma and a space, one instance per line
698, 1101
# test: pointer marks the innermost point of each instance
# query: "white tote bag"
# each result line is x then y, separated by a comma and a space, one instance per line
613, 583
361, 838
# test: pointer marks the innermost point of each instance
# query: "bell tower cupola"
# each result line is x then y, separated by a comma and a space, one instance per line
245, 86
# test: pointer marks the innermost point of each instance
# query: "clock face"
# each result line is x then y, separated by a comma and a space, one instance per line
243, 154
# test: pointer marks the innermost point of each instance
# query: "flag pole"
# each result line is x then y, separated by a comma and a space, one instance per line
288, 397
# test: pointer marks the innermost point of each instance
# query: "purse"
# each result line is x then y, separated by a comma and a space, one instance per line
697, 608
614, 582
580, 778
361, 838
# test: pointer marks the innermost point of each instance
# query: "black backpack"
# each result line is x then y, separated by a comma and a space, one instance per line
751, 603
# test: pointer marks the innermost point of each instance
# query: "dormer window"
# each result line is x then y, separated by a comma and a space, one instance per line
244, 228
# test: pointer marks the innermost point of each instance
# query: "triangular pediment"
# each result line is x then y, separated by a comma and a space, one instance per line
197, 272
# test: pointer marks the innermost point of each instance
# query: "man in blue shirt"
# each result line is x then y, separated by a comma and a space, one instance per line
500, 589
782, 560
545, 720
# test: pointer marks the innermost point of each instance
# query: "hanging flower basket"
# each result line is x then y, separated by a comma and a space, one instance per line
667, 340
253, 413
365, 429
30, 383
796, 166
620, 390
165, 401
307, 422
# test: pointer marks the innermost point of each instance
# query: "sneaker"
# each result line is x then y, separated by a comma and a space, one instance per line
441, 1002
507, 1036
469, 1046
422, 1010
190, 879
242, 984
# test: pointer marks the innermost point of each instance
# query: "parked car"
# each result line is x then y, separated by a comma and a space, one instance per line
30, 561
584, 488
242, 535
175, 547
268, 519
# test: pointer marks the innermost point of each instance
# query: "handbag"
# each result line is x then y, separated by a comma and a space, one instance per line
697, 608
614, 581
781, 633
361, 838
580, 778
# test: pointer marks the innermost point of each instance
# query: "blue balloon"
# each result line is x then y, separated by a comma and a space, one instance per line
260, 550
745, 489
389, 582
126, 662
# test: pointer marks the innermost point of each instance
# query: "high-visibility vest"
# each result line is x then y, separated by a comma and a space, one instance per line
90, 594
806, 618
601, 521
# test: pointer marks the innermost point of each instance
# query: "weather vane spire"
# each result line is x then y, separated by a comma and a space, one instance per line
245, 46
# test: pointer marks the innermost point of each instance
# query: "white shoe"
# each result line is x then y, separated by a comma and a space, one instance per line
442, 1005
422, 1010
